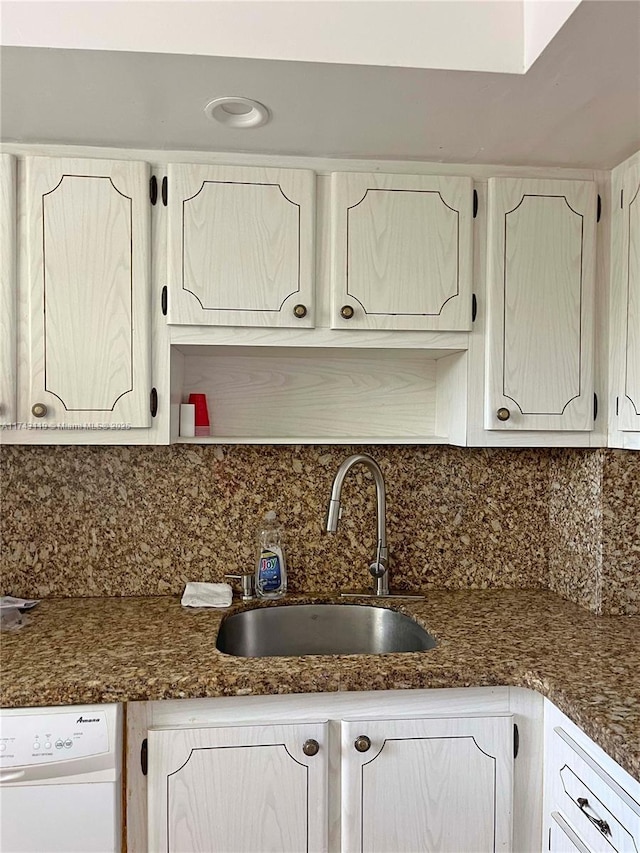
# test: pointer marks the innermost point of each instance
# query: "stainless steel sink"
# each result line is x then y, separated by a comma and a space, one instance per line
320, 629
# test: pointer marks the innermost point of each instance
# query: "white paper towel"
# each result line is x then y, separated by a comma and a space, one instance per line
207, 595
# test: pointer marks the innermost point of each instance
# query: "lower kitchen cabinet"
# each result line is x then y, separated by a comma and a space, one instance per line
442, 785
590, 803
241, 788
429, 784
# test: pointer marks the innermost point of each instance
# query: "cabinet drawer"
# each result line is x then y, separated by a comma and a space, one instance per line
603, 814
562, 838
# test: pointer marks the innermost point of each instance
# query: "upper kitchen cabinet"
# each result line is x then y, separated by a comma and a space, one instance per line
87, 330
625, 304
540, 287
401, 252
240, 246
8, 289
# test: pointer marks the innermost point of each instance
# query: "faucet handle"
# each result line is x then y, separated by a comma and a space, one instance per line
378, 567
248, 584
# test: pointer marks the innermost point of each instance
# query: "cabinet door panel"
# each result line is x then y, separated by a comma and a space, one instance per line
401, 251
540, 307
8, 319
89, 300
240, 245
238, 789
629, 410
433, 784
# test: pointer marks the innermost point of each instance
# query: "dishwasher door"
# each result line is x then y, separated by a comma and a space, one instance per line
60, 779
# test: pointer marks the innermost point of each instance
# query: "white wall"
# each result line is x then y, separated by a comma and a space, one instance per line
467, 35
542, 20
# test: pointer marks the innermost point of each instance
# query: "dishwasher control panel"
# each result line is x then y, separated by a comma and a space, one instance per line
31, 739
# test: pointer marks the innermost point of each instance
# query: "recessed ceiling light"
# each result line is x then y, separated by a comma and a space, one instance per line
237, 112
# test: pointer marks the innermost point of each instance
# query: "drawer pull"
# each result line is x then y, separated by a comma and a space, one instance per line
602, 825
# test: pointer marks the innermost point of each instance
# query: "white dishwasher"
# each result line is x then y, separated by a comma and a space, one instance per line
60, 779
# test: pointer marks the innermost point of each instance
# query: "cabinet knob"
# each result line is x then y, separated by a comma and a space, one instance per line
503, 414
311, 747
347, 312
38, 410
362, 743
299, 311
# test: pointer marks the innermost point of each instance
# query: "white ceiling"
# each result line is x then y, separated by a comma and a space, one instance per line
579, 104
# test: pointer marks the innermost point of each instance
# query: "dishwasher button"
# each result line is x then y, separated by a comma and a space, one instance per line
68, 743
3, 746
59, 744
47, 745
36, 745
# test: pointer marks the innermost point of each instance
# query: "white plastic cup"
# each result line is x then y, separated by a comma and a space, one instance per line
187, 420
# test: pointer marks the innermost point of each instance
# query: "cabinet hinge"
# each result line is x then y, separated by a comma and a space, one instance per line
153, 189
474, 307
144, 757
621, 198
165, 190
516, 740
153, 402
475, 203
599, 209
595, 406
617, 404
549, 838
163, 300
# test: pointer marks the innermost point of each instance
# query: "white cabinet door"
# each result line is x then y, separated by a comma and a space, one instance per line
240, 789
7, 289
240, 246
401, 251
625, 332
437, 785
540, 271
88, 325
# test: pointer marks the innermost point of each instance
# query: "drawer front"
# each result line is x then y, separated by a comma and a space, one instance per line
603, 814
562, 838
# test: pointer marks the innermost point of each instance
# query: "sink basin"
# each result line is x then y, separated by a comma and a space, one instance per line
320, 629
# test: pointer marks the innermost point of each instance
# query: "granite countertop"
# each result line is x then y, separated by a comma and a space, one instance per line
89, 650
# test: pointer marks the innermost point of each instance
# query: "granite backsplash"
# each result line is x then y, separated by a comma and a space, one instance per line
95, 521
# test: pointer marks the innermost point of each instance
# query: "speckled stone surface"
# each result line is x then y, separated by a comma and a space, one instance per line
83, 521
621, 532
115, 649
93, 521
594, 529
575, 526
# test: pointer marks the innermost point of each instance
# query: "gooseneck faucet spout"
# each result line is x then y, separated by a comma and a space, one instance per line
379, 566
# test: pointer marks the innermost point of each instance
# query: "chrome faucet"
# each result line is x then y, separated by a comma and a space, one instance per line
379, 567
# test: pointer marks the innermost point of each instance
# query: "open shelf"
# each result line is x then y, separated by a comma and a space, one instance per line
297, 395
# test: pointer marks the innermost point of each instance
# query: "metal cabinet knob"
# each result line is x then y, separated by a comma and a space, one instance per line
311, 747
347, 312
38, 410
299, 311
503, 414
362, 743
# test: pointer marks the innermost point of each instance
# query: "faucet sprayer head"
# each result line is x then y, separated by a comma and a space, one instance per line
333, 516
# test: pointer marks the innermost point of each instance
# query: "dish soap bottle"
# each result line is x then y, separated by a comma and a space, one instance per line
271, 568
